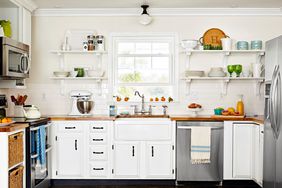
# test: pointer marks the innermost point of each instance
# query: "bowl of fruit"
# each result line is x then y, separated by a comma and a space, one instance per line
5, 121
195, 109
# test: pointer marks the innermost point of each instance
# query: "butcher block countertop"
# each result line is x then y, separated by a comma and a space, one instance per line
13, 127
257, 119
82, 118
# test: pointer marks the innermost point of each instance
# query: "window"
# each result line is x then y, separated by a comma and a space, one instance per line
145, 64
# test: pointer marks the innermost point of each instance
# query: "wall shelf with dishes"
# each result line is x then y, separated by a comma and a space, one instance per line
225, 54
80, 43
225, 81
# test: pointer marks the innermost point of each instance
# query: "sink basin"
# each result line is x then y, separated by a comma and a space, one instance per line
142, 116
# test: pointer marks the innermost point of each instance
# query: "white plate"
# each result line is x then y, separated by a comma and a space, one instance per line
77, 37
6, 124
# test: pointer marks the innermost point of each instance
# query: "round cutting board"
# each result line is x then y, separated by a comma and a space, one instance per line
213, 36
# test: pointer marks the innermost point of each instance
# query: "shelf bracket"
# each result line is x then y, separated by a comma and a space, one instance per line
62, 60
99, 83
258, 87
188, 86
225, 59
188, 58
224, 86
259, 57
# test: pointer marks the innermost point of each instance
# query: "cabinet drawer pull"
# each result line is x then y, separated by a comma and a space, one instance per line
75, 144
133, 151
99, 128
97, 152
98, 140
152, 151
98, 168
70, 127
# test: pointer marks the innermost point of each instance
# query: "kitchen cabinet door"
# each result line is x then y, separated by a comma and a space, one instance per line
159, 159
26, 31
260, 168
242, 151
70, 155
126, 159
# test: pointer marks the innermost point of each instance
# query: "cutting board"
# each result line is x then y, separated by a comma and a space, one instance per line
224, 117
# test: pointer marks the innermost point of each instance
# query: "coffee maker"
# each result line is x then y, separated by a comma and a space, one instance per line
81, 103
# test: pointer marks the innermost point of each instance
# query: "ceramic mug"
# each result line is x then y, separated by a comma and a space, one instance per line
257, 68
226, 44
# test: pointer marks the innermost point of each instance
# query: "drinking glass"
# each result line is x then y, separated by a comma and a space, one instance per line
230, 69
238, 70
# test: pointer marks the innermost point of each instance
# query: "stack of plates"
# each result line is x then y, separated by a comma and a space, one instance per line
191, 73
242, 45
256, 45
216, 72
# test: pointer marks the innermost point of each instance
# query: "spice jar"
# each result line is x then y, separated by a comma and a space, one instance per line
85, 46
100, 42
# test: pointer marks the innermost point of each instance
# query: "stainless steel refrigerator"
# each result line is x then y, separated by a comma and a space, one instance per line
272, 163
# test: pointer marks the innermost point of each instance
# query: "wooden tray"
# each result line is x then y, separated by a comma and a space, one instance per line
213, 36
224, 117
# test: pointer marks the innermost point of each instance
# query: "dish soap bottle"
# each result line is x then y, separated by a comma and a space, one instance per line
240, 106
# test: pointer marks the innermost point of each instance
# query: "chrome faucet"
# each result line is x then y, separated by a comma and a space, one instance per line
143, 111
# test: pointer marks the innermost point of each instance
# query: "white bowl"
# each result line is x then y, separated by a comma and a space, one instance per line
189, 44
73, 74
190, 73
95, 73
61, 73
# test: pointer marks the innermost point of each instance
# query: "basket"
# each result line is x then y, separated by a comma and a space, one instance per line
15, 149
16, 178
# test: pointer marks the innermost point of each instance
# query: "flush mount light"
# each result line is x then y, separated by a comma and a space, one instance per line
145, 18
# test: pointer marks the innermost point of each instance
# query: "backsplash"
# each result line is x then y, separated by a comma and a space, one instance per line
46, 93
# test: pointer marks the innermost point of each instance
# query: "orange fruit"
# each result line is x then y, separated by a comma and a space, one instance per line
4, 120
9, 120
156, 99
151, 99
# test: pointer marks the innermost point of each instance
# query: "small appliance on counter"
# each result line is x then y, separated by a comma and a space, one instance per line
81, 103
3, 105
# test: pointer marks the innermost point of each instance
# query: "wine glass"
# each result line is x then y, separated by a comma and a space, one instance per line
230, 69
238, 70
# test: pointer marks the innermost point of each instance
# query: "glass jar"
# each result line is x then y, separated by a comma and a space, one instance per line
100, 42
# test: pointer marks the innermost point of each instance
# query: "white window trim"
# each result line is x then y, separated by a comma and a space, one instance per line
174, 65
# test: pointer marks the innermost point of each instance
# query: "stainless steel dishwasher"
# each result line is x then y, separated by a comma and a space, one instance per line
186, 171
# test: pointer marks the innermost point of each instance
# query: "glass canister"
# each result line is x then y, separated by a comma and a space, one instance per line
100, 42
80, 72
91, 46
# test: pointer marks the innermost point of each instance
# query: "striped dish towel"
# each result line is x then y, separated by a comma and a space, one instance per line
200, 145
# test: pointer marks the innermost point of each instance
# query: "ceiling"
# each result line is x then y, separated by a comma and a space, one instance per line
159, 3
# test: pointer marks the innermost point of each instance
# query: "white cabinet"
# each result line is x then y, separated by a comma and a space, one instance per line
243, 151
144, 149
126, 159
159, 159
69, 155
26, 26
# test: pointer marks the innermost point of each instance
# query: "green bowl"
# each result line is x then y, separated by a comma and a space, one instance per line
218, 111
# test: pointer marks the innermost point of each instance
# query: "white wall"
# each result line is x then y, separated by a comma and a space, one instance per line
48, 33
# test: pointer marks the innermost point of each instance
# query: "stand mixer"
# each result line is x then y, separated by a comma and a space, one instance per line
81, 103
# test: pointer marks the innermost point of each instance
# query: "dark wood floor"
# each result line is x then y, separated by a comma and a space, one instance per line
229, 185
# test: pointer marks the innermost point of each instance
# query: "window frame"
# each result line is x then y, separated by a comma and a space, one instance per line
144, 37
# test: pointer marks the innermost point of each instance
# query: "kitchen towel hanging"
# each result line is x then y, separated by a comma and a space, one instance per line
200, 145
41, 136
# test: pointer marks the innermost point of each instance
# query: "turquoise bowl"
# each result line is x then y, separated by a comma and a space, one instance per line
242, 45
218, 111
256, 45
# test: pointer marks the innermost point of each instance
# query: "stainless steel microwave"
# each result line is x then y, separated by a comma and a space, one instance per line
14, 59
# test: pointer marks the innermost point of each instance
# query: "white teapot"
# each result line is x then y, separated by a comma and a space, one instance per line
31, 112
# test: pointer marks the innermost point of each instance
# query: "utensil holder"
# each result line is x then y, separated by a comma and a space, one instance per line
19, 111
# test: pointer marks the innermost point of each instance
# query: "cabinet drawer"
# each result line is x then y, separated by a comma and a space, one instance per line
98, 153
98, 127
99, 169
70, 128
98, 138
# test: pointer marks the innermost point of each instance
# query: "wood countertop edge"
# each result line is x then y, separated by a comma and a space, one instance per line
258, 119
14, 127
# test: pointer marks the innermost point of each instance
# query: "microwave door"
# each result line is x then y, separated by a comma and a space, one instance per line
14, 62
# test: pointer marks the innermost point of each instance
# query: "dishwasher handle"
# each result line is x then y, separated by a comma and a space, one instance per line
190, 127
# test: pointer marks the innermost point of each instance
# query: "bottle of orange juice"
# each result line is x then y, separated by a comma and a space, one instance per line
240, 106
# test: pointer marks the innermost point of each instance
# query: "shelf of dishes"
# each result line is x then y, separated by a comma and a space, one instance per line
225, 52
224, 82
62, 52
78, 78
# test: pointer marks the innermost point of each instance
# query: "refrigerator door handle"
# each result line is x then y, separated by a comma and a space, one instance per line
278, 104
272, 100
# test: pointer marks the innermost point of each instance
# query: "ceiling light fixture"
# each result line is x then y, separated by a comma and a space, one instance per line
145, 18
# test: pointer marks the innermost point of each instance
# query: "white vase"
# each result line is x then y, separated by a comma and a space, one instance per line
19, 111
